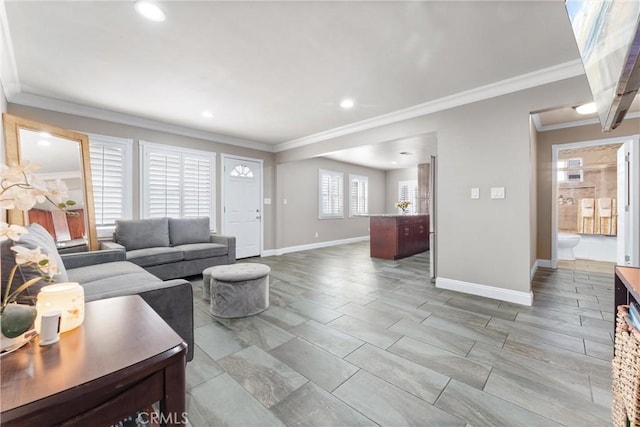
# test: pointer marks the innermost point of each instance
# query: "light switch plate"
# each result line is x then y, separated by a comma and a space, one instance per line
475, 193
267, 201
497, 192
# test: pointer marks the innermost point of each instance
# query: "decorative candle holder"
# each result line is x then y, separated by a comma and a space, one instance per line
68, 298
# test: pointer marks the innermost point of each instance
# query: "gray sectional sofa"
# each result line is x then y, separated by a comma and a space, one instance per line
172, 247
106, 274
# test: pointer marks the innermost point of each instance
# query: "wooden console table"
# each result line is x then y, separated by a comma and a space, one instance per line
398, 236
121, 360
627, 287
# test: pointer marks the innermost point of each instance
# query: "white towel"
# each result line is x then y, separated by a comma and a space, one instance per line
604, 207
587, 207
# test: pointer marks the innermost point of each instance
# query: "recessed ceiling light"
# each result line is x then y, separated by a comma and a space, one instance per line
394, 163
151, 11
207, 114
347, 103
589, 108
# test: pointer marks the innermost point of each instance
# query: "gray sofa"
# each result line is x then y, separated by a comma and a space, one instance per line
172, 247
106, 274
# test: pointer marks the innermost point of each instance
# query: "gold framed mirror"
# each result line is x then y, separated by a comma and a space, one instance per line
64, 155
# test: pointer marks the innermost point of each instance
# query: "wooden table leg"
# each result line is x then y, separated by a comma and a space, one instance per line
173, 411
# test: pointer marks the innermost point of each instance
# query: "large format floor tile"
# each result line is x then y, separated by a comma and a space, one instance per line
353, 341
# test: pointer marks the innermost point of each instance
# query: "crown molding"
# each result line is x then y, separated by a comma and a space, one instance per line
57, 105
8, 69
525, 81
579, 123
536, 121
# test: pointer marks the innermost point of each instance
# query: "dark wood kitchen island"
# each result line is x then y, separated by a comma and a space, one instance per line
399, 236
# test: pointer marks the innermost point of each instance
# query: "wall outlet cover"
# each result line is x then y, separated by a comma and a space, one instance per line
475, 193
267, 201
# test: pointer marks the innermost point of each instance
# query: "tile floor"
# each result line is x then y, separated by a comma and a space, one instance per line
350, 340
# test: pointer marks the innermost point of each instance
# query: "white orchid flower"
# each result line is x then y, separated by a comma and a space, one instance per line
58, 191
12, 232
28, 256
16, 172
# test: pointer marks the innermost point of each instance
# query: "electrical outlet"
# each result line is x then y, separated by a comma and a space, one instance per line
316, 234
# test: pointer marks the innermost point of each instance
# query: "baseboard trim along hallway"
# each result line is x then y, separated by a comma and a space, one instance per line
298, 248
509, 295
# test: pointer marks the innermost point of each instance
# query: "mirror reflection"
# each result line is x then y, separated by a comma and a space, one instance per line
60, 161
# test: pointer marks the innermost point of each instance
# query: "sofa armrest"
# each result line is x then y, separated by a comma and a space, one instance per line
106, 245
229, 241
83, 259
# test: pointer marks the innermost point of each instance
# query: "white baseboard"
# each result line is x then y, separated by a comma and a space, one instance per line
269, 252
534, 268
509, 295
289, 249
544, 263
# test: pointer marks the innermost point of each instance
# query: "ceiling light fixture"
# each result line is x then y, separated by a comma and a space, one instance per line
394, 163
207, 114
347, 103
151, 11
589, 108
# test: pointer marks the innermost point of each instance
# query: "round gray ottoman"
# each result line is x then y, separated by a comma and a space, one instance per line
237, 290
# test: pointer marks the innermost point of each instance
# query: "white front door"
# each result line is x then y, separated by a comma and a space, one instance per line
242, 207
629, 204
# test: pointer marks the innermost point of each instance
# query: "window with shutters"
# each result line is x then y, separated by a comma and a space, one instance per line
358, 195
112, 177
408, 190
177, 182
331, 194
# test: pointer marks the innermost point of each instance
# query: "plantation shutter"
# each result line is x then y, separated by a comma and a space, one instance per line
197, 187
110, 176
177, 183
359, 195
331, 195
163, 185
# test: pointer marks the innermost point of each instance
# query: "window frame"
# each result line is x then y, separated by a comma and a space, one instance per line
331, 215
106, 230
149, 147
360, 179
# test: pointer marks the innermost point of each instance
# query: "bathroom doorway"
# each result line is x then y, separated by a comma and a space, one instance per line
586, 206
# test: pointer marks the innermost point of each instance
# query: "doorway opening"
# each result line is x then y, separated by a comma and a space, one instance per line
590, 204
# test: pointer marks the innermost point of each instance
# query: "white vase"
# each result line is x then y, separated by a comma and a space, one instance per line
9, 344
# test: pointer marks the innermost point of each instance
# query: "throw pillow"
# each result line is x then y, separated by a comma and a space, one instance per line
143, 233
188, 230
36, 237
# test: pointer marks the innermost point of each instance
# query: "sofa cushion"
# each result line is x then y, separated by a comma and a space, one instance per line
202, 250
143, 233
109, 270
154, 256
37, 236
188, 230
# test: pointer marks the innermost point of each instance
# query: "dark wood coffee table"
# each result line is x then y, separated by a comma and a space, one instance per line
121, 360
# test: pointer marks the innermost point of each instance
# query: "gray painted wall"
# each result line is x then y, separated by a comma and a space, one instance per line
297, 182
83, 124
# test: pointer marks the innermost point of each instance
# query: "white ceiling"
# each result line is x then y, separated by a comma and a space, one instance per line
274, 72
